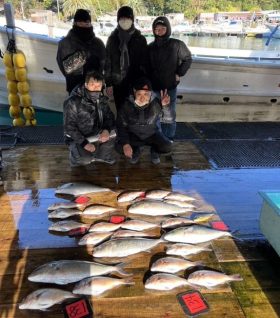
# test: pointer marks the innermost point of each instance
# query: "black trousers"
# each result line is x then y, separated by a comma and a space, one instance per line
158, 143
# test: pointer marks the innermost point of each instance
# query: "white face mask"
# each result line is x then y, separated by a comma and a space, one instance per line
125, 23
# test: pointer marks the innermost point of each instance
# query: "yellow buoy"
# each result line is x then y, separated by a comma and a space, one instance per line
19, 59
10, 74
25, 100
21, 74
28, 112
12, 87
18, 121
13, 99
8, 59
14, 111
23, 87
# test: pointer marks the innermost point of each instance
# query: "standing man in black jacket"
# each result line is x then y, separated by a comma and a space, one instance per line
87, 117
126, 56
169, 59
80, 51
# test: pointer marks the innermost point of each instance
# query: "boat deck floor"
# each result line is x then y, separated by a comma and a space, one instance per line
30, 175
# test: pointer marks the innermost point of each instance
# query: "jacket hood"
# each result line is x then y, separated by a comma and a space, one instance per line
163, 21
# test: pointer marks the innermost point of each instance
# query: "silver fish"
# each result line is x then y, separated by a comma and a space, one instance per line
172, 265
65, 205
63, 213
94, 238
44, 298
179, 197
163, 281
157, 194
186, 249
124, 247
98, 209
79, 188
66, 226
69, 271
175, 222
131, 233
96, 286
104, 227
194, 234
154, 208
138, 225
211, 279
130, 195
182, 204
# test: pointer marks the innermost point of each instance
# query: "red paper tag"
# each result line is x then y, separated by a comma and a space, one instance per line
78, 231
82, 199
78, 309
193, 303
116, 219
219, 225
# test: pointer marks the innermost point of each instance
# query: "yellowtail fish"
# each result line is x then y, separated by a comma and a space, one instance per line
138, 225
184, 250
130, 195
104, 227
79, 188
179, 197
66, 226
94, 238
156, 194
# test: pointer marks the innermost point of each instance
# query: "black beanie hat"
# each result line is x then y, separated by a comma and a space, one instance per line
82, 15
142, 83
125, 12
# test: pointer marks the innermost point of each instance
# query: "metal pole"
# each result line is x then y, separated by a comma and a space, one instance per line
9, 14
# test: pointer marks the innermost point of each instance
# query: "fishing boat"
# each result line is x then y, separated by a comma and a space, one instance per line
222, 84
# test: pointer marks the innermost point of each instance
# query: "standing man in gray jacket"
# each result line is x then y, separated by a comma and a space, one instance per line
169, 59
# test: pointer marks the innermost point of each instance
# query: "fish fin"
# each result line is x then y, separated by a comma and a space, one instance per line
129, 281
119, 269
236, 277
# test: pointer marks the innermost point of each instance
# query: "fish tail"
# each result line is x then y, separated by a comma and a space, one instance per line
236, 277
119, 269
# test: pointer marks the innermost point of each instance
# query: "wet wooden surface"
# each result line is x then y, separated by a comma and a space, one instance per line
31, 175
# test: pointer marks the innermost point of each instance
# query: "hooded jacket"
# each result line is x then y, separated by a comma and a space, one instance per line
141, 121
82, 116
137, 50
94, 50
167, 57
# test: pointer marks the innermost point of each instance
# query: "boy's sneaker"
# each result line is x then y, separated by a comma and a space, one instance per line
135, 156
155, 157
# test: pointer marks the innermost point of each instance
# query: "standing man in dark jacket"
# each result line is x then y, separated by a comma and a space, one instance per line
169, 59
126, 56
88, 118
80, 51
138, 123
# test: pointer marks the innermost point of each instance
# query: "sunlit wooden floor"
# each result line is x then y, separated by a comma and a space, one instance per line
32, 173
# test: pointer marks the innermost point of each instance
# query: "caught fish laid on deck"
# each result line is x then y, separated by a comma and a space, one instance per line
157, 194
131, 233
94, 238
138, 225
69, 271
180, 221
177, 196
182, 204
211, 279
155, 208
79, 188
63, 213
194, 234
66, 226
163, 281
104, 227
172, 265
124, 247
65, 205
98, 209
96, 286
130, 195
45, 298
184, 250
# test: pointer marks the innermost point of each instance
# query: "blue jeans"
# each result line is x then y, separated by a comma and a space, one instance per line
169, 114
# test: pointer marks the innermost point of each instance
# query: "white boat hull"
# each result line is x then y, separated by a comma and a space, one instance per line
221, 84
